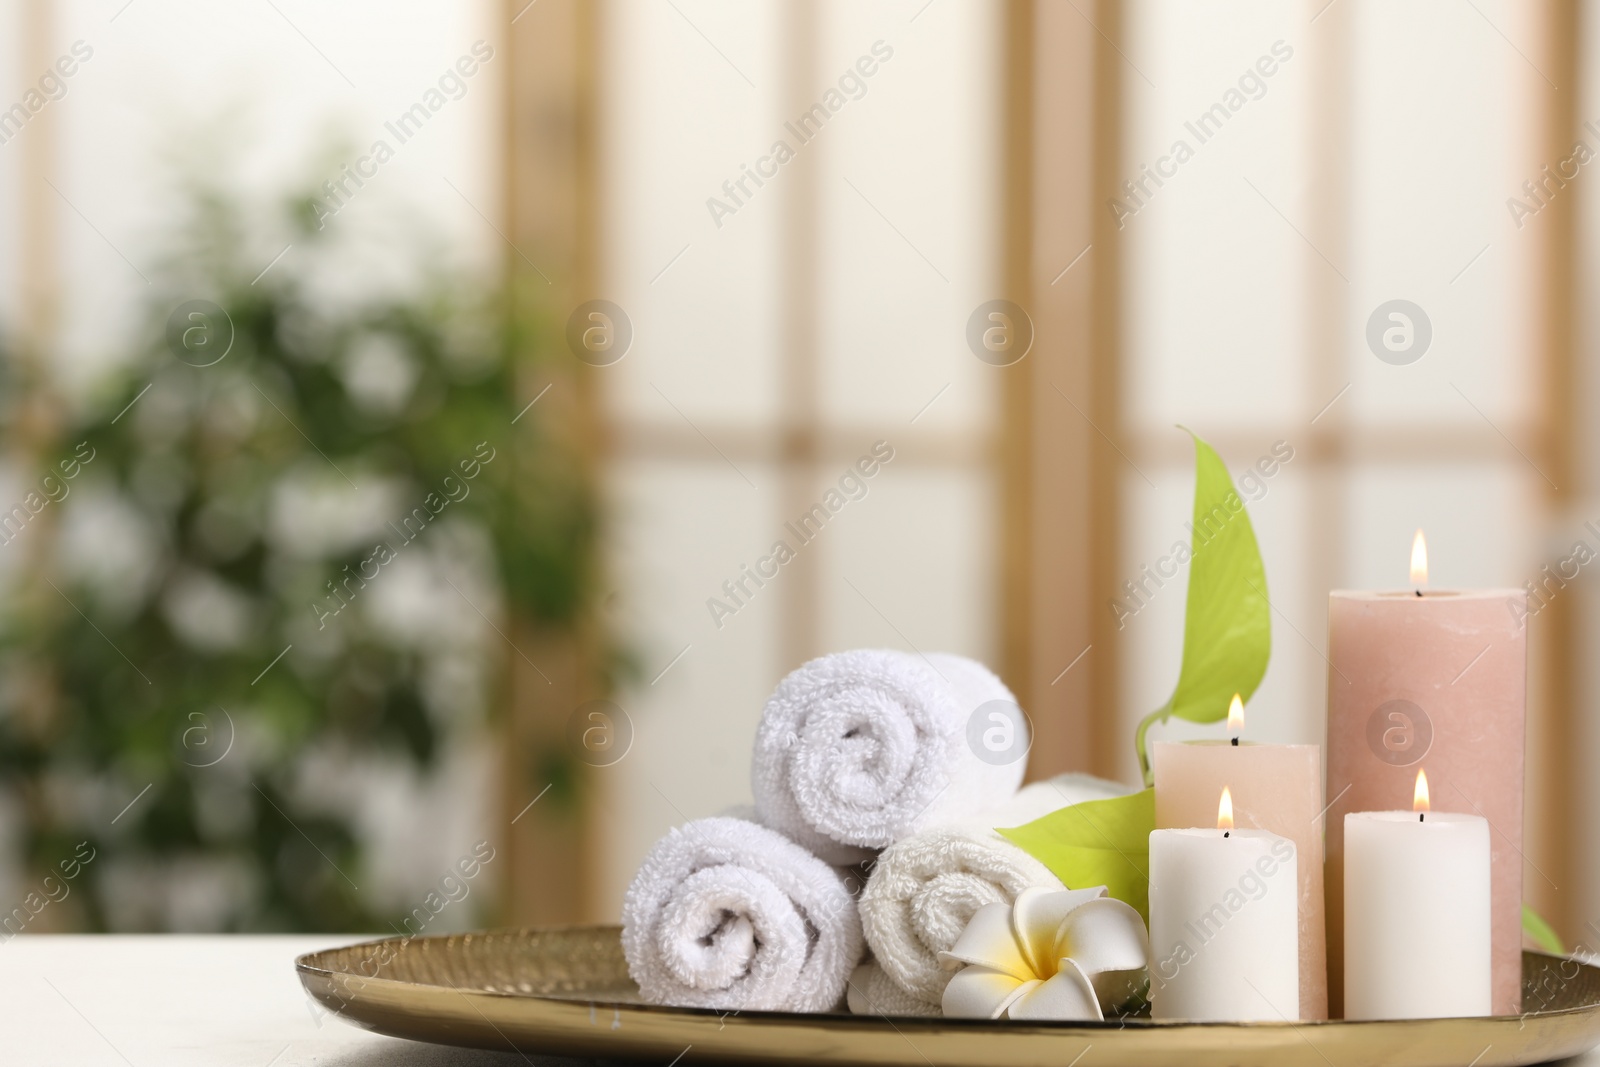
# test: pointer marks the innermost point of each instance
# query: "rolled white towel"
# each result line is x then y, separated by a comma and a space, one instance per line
731, 915
857, 750
924, 890
873, 993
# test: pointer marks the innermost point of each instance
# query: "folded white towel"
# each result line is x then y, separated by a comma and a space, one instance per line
731, 915
924, 890
859, 749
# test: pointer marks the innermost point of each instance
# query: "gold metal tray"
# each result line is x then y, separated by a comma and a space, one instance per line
567, 992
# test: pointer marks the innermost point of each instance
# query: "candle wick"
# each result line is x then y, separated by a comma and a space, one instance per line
1422, 816
1234, 741
1225, 833
1418, 592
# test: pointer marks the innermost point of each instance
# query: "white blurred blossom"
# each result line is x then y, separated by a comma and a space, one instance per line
110, 546
379, 373
206, 612
314, 513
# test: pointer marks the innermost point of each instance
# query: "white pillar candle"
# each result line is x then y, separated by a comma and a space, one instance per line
1416, 915
1224, 926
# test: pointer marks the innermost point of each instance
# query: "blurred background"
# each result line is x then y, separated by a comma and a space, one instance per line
399, 398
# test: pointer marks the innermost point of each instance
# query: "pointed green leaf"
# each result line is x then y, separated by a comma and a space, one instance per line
1227, 625
1097, 842
1543, 934
1227, 628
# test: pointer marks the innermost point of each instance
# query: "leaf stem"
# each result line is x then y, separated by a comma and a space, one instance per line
1161, 714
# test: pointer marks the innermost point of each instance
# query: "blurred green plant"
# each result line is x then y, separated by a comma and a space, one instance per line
255, 479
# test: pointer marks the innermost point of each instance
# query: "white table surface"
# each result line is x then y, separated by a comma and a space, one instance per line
172, 1001
175, 1001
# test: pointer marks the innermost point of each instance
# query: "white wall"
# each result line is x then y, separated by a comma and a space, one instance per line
913, 152
1220, 267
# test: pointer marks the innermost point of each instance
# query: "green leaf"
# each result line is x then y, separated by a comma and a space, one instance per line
1097, 842
1227, 627
1543, 934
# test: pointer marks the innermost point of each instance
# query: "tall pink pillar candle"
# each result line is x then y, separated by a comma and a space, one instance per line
1439, 677
1277, 788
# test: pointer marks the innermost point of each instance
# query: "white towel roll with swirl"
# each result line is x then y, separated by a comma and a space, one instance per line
924, 890
857, 750
727, 914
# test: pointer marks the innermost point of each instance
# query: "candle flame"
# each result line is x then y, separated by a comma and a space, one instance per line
1236, 716
1225, 810
1419, 800
1419, 560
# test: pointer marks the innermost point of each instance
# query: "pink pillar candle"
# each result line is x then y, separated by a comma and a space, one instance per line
1277, 788
1438, 681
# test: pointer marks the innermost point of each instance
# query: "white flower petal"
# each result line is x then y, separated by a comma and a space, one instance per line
988, 942
1104, 935
1068, 995
1120, 991
982, 993
1037, 918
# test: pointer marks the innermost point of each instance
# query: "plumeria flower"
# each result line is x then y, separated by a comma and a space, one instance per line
1038, 958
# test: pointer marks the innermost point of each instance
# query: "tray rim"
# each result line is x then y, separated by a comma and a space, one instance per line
305, 964
553, 1021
